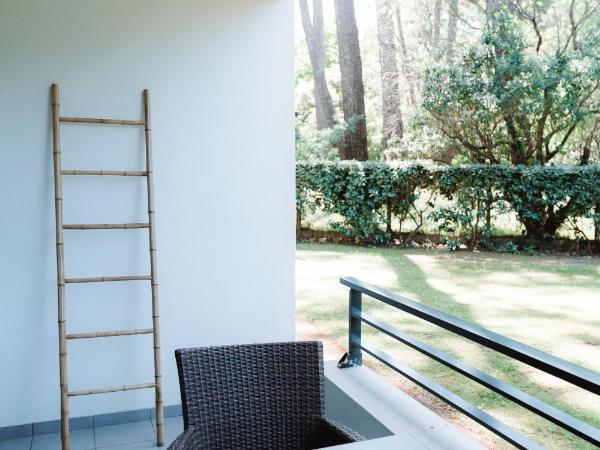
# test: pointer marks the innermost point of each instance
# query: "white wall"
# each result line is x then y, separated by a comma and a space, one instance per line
220, 76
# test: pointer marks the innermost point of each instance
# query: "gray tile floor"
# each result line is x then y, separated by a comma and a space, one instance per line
126, 436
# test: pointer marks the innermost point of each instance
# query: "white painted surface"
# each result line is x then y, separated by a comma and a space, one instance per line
384, 443
413, 424
221, 81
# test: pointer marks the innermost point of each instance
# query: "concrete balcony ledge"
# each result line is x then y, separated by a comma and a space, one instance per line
388, 417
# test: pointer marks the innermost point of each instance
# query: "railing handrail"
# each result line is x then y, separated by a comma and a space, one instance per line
565, 370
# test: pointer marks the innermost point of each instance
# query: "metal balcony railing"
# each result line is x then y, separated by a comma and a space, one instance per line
572, 373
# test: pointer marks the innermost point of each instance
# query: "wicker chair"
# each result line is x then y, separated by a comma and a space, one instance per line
264, 396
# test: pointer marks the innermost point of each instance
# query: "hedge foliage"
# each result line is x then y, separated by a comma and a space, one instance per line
369, 195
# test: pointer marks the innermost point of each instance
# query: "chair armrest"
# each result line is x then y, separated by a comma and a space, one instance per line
191, 439
342, 431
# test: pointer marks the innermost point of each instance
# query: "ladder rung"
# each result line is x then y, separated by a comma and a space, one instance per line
102, 121
108, 279
106, 226
127, 387
100, 334
118, 173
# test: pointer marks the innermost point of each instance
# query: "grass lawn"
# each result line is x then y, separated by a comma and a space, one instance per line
551, 303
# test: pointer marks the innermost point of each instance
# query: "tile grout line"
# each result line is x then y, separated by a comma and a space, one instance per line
94, 433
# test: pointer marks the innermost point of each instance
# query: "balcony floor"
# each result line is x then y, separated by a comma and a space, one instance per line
127, 436
355, 396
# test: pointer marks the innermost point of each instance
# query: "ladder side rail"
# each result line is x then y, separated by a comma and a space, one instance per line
60, 272
153, 272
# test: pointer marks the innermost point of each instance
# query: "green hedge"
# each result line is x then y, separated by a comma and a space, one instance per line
369, 195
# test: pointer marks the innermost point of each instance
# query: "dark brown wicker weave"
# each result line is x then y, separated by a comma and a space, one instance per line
264, 396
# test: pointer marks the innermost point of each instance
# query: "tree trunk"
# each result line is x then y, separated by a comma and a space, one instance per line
597, 222
553, 223
315, 41
354, 143
452, 19
298, 223
534, 230
435, 34
392, 113
406, 71
547, 226
586, 152
388, 218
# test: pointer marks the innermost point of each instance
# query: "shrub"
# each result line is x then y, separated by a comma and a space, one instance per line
367, 195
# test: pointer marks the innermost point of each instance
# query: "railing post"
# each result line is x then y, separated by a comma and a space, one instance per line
354, 356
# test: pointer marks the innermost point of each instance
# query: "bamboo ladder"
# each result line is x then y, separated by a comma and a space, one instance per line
60, 265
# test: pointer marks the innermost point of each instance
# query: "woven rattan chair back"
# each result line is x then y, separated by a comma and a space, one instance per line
253, 396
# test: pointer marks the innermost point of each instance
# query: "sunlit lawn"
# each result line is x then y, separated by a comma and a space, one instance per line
551, 303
